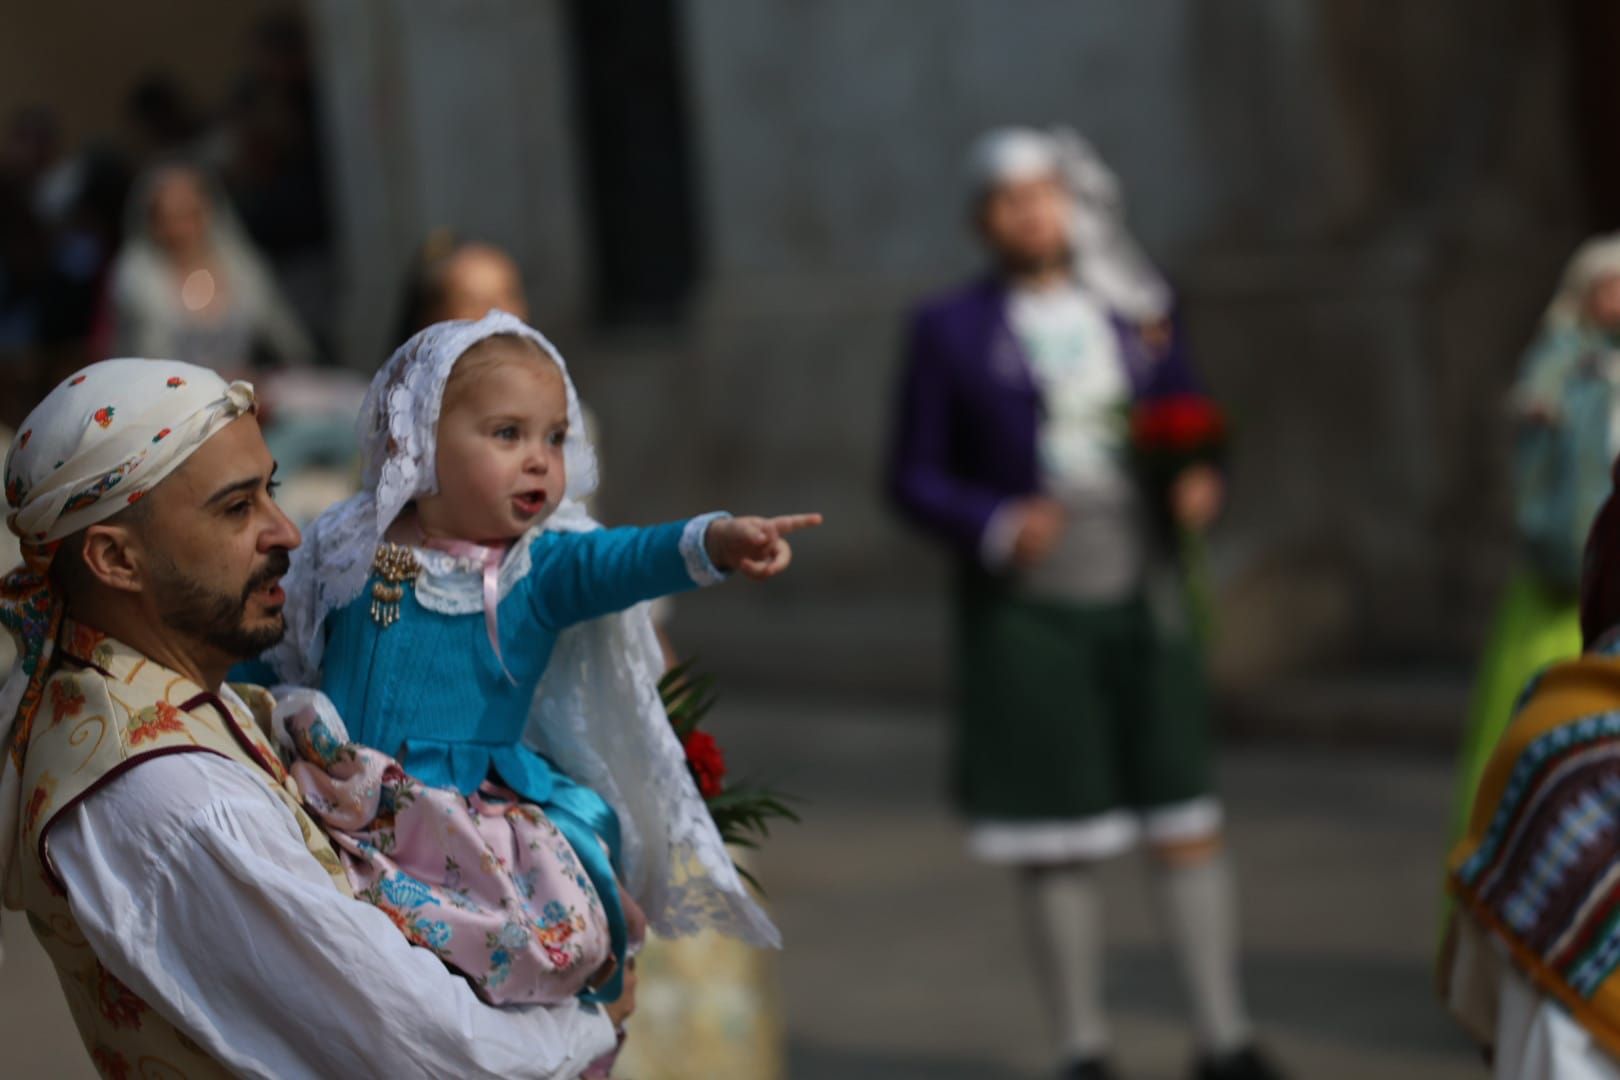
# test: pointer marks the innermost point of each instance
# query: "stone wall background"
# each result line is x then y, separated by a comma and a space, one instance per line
1365, 206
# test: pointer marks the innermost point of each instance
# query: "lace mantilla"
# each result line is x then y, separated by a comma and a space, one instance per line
597, 712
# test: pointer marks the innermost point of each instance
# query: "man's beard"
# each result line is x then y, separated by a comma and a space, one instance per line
217, 618
1020, 265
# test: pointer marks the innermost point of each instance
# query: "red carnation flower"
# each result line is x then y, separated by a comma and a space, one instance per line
1178, 425
707, 762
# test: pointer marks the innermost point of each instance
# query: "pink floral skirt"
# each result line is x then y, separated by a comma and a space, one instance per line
485, 881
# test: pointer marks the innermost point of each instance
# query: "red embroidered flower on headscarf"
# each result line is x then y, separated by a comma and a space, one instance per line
22, 440
707, 762
175, 382
77, 379
161, 435
104, 415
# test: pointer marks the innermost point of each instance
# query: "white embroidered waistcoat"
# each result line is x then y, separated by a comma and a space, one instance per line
105, 709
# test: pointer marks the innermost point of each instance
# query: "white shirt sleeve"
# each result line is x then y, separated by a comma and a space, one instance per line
193, 885
1537, 1040
1000, 535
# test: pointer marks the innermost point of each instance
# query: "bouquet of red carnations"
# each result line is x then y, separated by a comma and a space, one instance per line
742, 813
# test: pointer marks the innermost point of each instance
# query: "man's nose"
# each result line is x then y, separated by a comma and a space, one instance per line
282, 533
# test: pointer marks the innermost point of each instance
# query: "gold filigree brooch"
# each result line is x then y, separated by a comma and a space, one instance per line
395, 564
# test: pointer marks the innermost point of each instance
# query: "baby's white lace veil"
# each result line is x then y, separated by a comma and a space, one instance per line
597, 712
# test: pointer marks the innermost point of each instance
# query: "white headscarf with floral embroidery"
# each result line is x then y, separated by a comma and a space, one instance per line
96, 444
106, 436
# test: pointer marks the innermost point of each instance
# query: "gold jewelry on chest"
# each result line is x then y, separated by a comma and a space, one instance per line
395, 564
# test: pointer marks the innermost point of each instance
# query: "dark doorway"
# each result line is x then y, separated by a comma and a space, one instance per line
631, 104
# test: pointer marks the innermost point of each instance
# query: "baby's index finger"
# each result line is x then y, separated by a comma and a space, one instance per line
795, 522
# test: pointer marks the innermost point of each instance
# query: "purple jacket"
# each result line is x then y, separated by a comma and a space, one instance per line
969, 410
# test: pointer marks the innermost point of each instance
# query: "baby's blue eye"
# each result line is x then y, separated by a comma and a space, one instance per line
509, 432
558, 438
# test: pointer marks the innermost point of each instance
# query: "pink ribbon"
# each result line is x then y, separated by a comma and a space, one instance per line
489, 558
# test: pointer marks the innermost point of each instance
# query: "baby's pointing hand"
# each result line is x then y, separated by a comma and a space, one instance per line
755, 547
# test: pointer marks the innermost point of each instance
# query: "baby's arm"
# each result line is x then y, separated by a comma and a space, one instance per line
578, 576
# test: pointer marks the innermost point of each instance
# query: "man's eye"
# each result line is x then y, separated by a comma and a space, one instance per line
272, 487
239, 509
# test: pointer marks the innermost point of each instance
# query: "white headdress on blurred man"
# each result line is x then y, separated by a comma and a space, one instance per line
1107, 258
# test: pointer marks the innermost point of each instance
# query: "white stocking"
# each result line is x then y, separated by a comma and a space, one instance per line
1065, 917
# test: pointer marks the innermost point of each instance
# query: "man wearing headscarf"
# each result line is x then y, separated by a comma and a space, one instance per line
1531, 962
1082, 721
199, 921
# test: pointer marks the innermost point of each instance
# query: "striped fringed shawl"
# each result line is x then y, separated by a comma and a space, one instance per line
1539, 867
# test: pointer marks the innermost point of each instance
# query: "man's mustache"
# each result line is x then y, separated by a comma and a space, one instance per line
276, 565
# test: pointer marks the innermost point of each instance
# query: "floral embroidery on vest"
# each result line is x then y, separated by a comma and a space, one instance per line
119, 708
86, 643
153, 721
38, 800
116, 1001
66, 700
110, 1063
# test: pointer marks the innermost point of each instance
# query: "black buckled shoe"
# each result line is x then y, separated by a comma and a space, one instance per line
1245, 1064
1088, 1069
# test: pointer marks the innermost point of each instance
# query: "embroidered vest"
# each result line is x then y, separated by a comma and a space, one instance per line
105, 709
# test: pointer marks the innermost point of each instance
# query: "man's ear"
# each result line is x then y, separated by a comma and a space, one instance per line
113, 556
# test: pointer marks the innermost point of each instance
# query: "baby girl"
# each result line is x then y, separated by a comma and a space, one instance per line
427, 609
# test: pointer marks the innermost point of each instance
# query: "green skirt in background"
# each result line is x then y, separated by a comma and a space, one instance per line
1067, 711
1534, 626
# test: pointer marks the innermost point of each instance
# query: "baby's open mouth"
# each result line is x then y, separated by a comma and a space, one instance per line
530, 502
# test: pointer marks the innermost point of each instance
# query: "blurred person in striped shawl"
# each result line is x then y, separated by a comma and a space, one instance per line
1531, 962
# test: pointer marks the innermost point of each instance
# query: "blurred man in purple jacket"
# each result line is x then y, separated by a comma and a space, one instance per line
1083, 719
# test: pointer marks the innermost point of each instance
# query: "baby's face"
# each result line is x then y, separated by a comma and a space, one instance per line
500, 454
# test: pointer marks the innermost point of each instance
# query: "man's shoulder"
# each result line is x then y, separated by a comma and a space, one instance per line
159, 796
960, 303
72, 693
